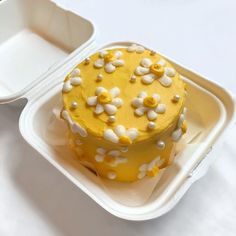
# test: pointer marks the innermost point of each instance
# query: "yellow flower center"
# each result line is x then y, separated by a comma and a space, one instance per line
109, 57
150, 102
125, 140
184, 127
108, 159
157, 70
104, 97
153, 172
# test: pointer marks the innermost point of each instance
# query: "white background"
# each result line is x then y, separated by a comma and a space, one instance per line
35, 199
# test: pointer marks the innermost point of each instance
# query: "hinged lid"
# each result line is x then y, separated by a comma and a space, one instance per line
42, 37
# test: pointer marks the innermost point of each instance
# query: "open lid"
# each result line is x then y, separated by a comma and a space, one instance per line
40, 38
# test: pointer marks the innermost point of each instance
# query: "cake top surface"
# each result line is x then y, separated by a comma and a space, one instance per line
124, 94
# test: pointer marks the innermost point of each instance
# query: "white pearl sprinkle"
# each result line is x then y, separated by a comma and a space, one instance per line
74, 104
133, 79
111, 175
152, 53
176, 98
111, 119
99, 77
87, 61
151, 125
160, 145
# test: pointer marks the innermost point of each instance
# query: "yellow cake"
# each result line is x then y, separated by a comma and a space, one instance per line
125, 110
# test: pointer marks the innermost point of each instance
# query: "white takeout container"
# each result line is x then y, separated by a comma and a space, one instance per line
42, 44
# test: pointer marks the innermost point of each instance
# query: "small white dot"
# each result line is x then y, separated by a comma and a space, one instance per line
152, 53
87, 61
111, 175
99, 77
151, 125
160, 145
74, 105
133, 78
176, 98
111, 119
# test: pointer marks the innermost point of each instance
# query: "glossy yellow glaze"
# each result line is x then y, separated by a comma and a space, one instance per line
143, 149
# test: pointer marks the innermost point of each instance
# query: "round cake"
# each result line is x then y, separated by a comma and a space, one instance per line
125, 109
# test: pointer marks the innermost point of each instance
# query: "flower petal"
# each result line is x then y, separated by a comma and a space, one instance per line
118, 54
141, 175
142, 94
157, 97
140, 49
92, 101
151, 165
67, 87
120, 130
143, 168
117, 102
99, 63
101, 151
181, 120
77, 128
161, 108
100, 90
99, 109
176, 135
75, 81
148, 79
146, 62
161, 62
118, 63
114, 92
132, 133
152, 115
165, 81
75, 73
102, 53
120, 160
140, 111
132, 48
110, 109
109, 68
114, 153
141, 70
159, 161
170, 71
137, 102
99, 158
110, 135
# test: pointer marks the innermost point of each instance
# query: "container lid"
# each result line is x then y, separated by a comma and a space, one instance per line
43, 37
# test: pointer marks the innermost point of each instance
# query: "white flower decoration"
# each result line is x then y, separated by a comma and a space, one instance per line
135, 48
181, 127
109, 61
105, 100
150, 169
112, 157
121, 135
149, 105
155, 71
74, 80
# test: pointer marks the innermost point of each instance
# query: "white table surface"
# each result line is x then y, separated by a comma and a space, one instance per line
35, 199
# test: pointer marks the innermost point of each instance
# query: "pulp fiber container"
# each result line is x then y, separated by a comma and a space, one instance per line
43, 43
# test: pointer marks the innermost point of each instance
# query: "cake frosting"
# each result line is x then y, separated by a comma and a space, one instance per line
124, 107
